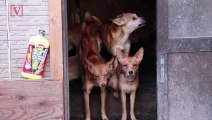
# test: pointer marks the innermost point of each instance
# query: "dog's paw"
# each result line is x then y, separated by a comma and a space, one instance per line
133, 117
124, 117
116, 95
105, 119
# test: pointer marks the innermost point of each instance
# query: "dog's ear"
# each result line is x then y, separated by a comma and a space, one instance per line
89, 65
139, 54
118, 21
98, 21
111, 63
120, 55
86, 19
87, 14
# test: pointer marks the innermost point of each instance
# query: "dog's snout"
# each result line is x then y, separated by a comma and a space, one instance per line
142, 21
130, 72
103, 85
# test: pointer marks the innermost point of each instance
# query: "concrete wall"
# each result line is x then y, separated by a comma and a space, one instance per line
190, 86
21, 28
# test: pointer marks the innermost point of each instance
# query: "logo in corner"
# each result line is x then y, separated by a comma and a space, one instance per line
16, 10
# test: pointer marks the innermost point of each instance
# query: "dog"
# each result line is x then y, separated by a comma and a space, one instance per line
74, 67
95, 72
74, 38
127, 79
115, 34
75, 33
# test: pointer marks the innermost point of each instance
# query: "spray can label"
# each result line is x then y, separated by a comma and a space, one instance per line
35, 59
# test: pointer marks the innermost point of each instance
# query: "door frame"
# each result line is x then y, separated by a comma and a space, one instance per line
65, 59
52, 93
58, 20
59, 49
166, 46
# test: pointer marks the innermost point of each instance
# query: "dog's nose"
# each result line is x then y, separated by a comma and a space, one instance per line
103, 85
130, 72
142, 22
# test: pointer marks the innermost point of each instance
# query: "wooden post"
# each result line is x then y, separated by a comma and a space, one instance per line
56, 48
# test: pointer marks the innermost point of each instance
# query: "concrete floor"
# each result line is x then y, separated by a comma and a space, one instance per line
145, 106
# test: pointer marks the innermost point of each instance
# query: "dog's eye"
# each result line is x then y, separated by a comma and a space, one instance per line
106, 75
135, 65
125, 66
95, 76
134, 18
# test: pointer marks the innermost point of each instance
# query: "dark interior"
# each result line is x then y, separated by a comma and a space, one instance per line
145, 103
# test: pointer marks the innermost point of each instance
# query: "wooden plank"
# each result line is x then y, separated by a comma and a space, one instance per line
56, 47
31, 100
65, 60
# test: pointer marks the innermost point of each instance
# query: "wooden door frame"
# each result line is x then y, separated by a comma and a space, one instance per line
65, 59
59, 48
18, 96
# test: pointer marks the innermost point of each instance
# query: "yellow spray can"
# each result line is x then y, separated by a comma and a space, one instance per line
36, 56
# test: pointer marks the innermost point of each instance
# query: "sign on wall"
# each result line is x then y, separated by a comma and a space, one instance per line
16, 10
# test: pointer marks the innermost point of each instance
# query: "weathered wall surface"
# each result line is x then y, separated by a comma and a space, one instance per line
23, 21
190, 86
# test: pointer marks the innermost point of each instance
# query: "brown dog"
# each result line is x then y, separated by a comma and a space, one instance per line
75, 33
127, 79
74, 38
74, 67
115, 34
95, 71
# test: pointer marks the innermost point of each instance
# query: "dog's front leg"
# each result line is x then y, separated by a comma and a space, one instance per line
123, 101
87, 106
127, 48
132, 103
103, 103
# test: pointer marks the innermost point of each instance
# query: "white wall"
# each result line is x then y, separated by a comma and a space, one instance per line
21, 28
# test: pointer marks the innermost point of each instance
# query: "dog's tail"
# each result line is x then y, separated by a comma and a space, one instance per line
115, 94
113, 87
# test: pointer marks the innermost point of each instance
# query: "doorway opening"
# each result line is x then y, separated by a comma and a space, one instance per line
146, 97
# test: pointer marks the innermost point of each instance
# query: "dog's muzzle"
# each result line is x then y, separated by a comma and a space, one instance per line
142, 23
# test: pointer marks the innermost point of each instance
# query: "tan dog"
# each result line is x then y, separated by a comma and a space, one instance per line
74, 67
95, 71
75, 33
127, 79
115, 34
74, 38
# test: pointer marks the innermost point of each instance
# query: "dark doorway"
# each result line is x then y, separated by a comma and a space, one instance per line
146, 99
